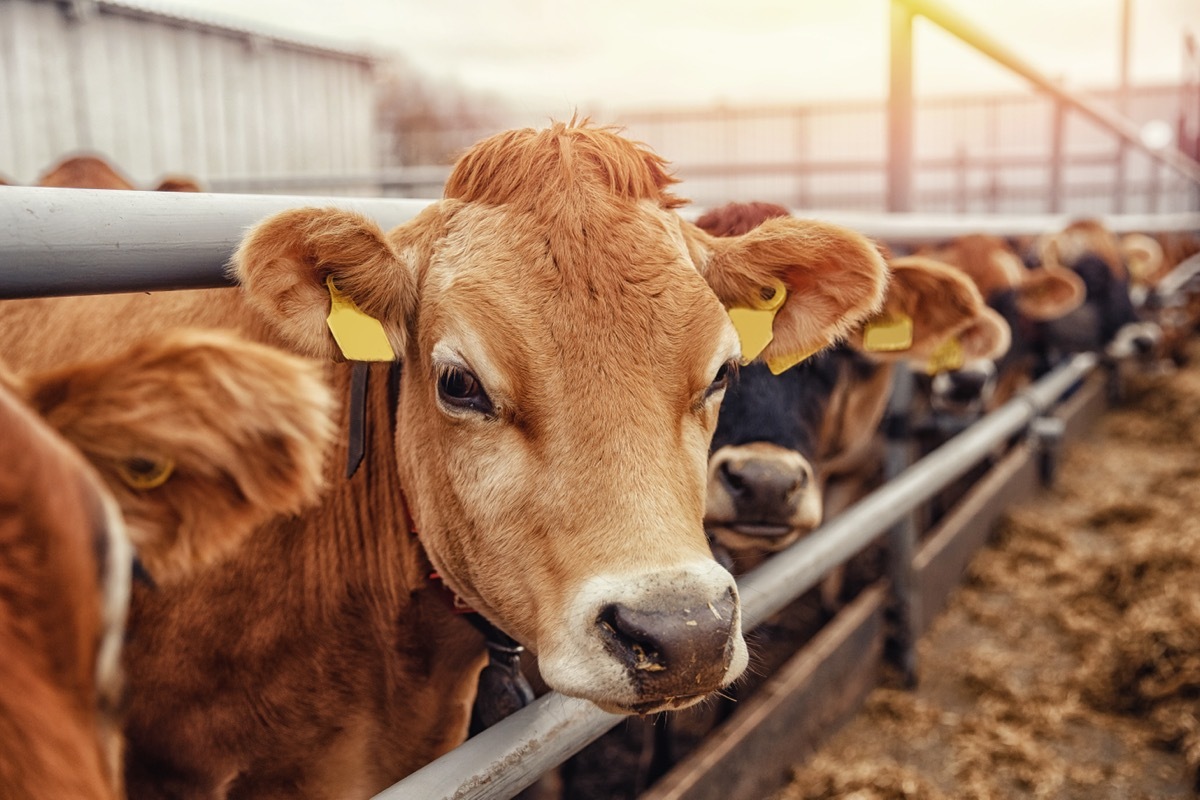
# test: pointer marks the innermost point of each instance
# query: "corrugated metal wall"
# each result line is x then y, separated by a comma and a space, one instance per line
156, 94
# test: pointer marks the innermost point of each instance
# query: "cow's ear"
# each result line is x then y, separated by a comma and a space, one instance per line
200, 435
298, 265
927, 302
1050, 293
1143, 256
987, 337
833, 277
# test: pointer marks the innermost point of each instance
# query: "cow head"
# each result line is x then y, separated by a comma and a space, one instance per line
780, 436
1025, 298
200, 436
565, 348
84, 171
1107, 318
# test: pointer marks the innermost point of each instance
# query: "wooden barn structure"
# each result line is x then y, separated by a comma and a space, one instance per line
160, 93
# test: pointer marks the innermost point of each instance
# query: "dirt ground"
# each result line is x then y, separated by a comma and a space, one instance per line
1068, 665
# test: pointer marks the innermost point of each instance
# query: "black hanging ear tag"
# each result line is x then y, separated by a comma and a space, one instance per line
503, 688
360, 371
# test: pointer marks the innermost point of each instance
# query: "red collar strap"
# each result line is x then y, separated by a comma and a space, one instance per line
457, 604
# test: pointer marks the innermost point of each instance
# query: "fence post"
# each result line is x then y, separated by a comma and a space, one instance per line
961, 182
902, 537
900, 110
1057, 137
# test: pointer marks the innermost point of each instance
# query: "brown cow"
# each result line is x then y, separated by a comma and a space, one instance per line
64, 590
84, 172
87, 171
565, 346
1025, 298
177, 183
200, 436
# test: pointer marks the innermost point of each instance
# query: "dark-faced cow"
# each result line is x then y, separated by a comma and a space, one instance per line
783, 440
564, 345
1107, 320
1027, 299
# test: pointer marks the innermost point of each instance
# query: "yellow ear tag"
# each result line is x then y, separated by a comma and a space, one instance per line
753, 325
780, 364
146, 474
360, 336
888, 334
947, 357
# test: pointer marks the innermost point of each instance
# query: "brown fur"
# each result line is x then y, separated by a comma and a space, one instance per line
177, 183
84, 172
1079, 238
1046, 293
247, 428
557, 255
58, 733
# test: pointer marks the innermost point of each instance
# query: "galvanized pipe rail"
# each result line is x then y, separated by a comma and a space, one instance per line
91, 241
510, 756
88, 241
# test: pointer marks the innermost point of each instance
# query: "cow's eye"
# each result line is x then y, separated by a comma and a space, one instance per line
723, 376
145, 473
458, 388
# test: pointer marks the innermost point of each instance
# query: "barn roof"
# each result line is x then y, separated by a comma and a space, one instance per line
150, 11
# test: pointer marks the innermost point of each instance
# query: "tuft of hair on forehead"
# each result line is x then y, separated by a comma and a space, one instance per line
519, 167
735, 219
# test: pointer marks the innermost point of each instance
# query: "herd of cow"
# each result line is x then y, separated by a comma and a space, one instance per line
197, 601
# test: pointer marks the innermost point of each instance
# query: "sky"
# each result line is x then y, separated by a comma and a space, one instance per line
549, 57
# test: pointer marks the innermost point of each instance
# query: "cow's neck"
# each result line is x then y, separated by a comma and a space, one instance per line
365, 539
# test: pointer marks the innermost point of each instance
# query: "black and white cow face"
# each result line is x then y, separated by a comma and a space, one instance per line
762, 487
1106, 320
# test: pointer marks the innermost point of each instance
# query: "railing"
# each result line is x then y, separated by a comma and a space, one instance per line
88, 241
900, 103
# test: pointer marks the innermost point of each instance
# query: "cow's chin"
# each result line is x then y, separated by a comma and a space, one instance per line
756, 537
651, 707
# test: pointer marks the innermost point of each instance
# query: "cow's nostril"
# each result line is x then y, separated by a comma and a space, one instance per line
630, 638
733, 480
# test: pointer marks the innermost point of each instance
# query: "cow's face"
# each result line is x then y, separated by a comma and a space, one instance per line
1023, 299
566, 347
763, 492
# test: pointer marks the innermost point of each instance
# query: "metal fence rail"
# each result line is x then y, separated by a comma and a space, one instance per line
510, 756
88, 241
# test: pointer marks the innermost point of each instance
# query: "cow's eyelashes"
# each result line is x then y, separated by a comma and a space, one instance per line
458, 388
724, 375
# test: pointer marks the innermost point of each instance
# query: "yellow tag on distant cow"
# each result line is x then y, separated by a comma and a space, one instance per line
753, 325
359, 335
888, 334
947, 357
780, 364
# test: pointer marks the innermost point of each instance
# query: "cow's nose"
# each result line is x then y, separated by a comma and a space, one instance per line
672, 652
967, 384
761, 484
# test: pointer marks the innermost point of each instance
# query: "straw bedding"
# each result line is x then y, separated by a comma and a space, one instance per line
1068, 665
